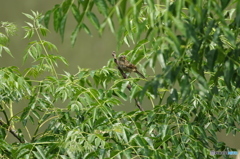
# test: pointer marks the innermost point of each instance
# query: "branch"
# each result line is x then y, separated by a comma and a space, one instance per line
125, 77
12, 131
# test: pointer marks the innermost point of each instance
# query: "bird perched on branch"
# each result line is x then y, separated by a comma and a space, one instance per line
126, 66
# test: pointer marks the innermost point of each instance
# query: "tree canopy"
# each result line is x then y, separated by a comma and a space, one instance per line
194, 93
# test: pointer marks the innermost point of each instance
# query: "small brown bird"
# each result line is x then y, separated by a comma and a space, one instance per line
127, 66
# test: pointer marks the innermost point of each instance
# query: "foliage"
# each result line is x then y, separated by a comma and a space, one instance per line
196, 44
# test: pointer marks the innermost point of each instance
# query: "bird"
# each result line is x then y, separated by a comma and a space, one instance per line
128, 67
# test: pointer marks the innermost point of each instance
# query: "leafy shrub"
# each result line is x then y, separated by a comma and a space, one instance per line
196, 44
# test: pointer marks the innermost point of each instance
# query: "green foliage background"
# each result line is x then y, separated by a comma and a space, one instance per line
196, 44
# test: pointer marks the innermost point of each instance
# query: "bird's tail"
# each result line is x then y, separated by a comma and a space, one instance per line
140, 74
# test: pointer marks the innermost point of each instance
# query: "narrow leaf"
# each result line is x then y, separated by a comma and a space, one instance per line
92, 17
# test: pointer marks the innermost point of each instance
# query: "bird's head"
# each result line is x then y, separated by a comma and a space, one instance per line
122, 58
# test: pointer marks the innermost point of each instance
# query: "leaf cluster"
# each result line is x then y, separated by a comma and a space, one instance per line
194, 93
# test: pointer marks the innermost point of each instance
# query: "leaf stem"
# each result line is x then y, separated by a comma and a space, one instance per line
45, 50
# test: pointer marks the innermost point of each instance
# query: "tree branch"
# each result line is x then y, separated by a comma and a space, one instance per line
11, 130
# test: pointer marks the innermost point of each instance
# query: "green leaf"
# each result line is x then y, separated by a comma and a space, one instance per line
92, 17
65, 6
37, 155
3, 39
111, 25
8, 51
120, 94
97, 141
162, 60
124, 85
74, 34
36, 114
224, 3
22, 150
62, 26
43, 31
47, 17
127, 154
29, 16
114, 153
87, 30
10, 28
102, 6
29, 32
5, 49
76, 12
57, 18
139, 140
29, 24
50, 46
61, 58
40, 150
123, 7
4, 145
25, 115
141, 44
134, 89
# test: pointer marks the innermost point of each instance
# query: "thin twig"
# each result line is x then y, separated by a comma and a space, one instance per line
124, 75
11, 130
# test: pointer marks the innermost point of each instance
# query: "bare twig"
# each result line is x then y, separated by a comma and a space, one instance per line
124, 75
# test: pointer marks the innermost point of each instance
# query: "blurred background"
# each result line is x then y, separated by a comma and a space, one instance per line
89, 51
